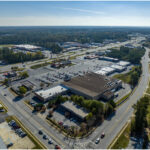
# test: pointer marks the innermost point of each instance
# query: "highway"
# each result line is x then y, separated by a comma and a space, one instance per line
111, 127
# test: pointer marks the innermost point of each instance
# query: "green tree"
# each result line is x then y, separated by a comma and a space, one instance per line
24, 74
22, 90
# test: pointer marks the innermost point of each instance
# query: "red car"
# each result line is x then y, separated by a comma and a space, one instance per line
57, 147
102, 135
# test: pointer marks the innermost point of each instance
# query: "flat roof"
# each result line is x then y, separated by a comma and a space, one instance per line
27, 83
27, 46
51, 91
108, 69
76, 109
109, 58
123, 63
117, 67
91, 84
102, 72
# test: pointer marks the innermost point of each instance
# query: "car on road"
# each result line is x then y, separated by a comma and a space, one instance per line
103, 135
97, 141
5, 94
57, 147
40, 132
45, 137
50, 141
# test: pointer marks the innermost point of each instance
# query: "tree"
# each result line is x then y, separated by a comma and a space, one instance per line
89, 116
22, 90
112, 103
6, 81
50, 114
24, 74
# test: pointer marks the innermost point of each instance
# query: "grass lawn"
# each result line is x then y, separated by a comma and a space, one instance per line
148, 89
125, 77
6, 45
123, 140
39, 65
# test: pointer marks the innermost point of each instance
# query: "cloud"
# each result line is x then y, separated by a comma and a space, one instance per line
84, 10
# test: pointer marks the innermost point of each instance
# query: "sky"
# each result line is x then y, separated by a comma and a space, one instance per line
75, 13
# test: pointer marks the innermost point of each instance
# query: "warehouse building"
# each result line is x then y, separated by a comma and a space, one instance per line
124, 63
93, 86
109, 70
47, 94
27, 47
106, 71
75, 110
101, 72
118, 68
108, 59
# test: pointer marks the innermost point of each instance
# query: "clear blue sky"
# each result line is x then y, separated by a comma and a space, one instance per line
75, 13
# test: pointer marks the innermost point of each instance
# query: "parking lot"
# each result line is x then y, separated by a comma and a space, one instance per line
9, 136
59, 116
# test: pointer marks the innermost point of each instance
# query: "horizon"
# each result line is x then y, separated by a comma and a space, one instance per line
75, 13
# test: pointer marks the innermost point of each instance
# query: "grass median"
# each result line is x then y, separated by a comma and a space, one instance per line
40, 65
123, 139
122, 99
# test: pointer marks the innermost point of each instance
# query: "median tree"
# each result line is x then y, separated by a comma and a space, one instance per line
22, 90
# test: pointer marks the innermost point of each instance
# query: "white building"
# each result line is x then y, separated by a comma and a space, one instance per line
101, 72
27, 47
118, 68
124, 63
108, 59
106, 71
50, 93
109, 70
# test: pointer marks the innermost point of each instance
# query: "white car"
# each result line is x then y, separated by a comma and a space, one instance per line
50, 141
97, 141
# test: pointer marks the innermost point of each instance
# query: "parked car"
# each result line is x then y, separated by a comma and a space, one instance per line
11, 122
60, 123
23, 134
9, 145
97, 141
2, 110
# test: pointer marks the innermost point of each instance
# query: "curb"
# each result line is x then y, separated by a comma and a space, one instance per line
27, 105
5, 107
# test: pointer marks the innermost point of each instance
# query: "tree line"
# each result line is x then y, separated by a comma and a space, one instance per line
47, 37
132, 55
7, 55
141, 121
